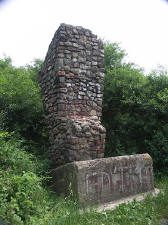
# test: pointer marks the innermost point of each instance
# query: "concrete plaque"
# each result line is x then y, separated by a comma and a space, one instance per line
103, 180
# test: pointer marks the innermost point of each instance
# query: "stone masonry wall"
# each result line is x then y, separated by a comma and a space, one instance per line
71, 81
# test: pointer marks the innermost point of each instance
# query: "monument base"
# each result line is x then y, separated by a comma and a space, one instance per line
104, 180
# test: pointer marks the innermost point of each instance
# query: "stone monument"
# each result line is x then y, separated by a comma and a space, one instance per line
71, 81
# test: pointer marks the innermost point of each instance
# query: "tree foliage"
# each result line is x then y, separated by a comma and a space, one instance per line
21, 108
135, 110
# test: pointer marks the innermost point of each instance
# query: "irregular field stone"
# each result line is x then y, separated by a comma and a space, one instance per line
71, 81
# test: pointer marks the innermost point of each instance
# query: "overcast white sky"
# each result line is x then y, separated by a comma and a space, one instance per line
141, 26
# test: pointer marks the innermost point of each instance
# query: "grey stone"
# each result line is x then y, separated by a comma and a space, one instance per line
62, 79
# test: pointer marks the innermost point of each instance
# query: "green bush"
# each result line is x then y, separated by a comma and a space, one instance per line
21, 108
22, 195
135, 109
13, 156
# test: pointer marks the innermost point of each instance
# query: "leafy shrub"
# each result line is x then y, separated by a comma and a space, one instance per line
13, 156
135, 110
22, 196
21, 108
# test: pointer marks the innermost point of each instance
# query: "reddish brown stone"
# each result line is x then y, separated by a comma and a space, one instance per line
74, 140
61, 73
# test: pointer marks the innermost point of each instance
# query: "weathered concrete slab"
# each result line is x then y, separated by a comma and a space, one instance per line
104, 180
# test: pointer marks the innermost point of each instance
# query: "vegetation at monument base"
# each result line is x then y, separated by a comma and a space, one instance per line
136, 119
25, 199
